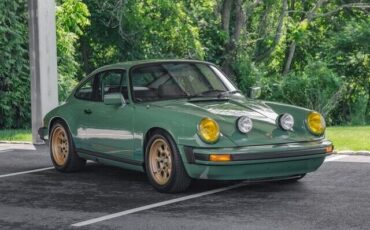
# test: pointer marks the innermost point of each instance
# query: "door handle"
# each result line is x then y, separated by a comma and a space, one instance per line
87, 111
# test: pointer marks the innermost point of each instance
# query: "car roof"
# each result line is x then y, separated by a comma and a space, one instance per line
129, 64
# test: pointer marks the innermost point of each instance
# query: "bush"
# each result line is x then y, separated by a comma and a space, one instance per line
316, 87
248, 73
14, 66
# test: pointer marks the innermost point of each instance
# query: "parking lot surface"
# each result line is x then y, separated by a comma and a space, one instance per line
35, 196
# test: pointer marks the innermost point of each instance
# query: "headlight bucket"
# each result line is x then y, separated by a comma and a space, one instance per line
208, 130
244, 124
315, 123
285, 121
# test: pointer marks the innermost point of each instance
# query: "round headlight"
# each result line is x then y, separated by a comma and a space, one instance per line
208, 130
316, 123
286, 121
244, 124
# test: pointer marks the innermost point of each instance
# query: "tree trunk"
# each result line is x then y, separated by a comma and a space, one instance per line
293, 44
226, 11
277, 37
262, 26
229, 52
239, 21
85, 52
289, 60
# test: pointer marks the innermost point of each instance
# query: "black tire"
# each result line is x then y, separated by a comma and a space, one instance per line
178, 179
72, 162
292, 179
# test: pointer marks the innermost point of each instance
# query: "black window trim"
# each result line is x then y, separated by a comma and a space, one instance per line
104, 72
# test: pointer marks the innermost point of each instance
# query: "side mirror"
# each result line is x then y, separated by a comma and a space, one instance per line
254, 92
114, 99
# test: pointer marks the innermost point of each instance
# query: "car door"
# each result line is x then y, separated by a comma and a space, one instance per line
84, 101
108, 129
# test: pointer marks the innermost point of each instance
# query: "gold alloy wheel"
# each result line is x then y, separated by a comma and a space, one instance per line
60, 145
160, 161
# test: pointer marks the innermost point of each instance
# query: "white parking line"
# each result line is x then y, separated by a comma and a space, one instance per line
6, 150
176, 200
150, 206
334, 158
25, 172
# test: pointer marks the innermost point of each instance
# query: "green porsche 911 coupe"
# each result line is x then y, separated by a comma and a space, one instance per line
179, 120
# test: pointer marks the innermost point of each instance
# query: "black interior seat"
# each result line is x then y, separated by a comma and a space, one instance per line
170, 90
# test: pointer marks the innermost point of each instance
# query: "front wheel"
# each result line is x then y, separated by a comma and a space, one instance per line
62, 151
163, 164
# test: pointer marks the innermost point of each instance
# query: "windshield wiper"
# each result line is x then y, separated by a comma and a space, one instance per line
227, 93
234, 91
220, 93
205, 93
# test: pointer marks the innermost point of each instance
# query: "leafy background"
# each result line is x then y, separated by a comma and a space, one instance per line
311, 53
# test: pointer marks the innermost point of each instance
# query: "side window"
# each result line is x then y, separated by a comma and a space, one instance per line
113, 81
85, 92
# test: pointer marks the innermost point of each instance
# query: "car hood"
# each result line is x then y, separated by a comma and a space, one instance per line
264, 114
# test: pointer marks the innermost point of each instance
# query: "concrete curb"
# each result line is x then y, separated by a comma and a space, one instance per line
16, 142
349, 152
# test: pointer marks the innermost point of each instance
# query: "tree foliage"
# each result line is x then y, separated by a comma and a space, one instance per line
72, 16
132, 30
14, 65
312, 53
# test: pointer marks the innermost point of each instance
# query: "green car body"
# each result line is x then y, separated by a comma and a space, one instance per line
117, 134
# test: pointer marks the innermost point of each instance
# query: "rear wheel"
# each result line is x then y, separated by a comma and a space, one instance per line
62, 151
163, 164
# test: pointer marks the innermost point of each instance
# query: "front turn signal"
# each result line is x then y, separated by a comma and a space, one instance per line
220, 157
329, 149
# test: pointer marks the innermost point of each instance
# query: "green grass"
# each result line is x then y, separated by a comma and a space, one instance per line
344, 137
350, 137
15, 135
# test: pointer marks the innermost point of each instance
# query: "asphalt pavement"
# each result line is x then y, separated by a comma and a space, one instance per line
35, 196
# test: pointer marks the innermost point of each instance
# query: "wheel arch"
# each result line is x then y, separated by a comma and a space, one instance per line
55, 119
150, 132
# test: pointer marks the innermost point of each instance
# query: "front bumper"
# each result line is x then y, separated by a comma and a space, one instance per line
256, 162
43, 133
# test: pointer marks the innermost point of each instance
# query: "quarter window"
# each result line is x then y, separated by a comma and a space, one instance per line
85, 92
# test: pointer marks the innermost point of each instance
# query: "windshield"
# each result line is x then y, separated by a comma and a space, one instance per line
177, 80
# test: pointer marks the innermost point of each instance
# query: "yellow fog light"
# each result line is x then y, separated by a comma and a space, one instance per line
220, 157
316, 123
208, 130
